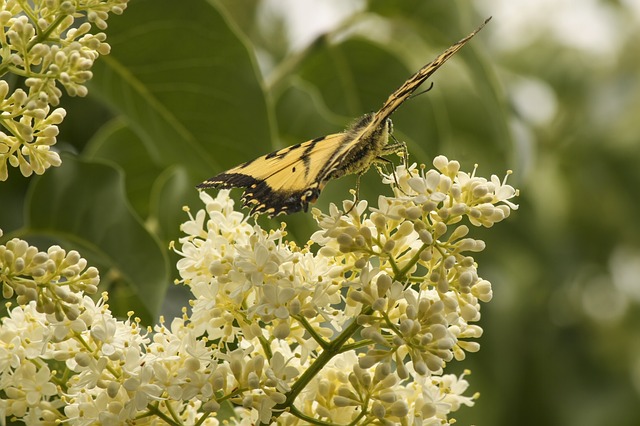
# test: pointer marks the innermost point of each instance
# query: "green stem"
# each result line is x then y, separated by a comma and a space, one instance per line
236, 392
356, 345
154, 410
333, 349
394, 266
27, 10
390, 325
299, 414
43, 35
319, 339
265, 346
204, 417
402, 273
171, 411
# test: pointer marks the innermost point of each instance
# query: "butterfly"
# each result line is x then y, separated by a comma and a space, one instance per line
287, 180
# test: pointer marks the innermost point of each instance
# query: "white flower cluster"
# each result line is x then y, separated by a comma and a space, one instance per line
41, 41
424, 290
358, 331
398, 287
51, 279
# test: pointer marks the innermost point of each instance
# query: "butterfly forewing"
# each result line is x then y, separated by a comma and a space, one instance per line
406, 90
287, 180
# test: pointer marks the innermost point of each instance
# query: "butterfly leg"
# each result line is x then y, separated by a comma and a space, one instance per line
383, 172
397, 147
381, 163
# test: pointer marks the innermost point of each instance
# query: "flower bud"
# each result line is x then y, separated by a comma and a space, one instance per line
443, 284
71, 312
429, 206
361, 263
425, 236
379, 221
426, 255
282, 330
341, 401
383, 284
378, 410
439, 230
253, 381
449, 262
413, 213
83, 359
211, 406
420, 367
382, 370
407, 327
389, 245
399, 409
379, 304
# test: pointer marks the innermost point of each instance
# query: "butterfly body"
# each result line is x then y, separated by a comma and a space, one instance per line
360, 148
287, 180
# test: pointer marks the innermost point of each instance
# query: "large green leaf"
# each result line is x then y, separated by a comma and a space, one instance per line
172, 190
186, 84
118, 144
83, 205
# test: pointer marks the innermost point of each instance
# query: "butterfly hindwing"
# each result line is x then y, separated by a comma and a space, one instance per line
284, 181
287, 180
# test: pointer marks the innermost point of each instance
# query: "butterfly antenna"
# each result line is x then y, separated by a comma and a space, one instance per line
422, 92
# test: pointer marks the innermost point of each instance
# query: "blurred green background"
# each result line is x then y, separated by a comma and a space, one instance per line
549, 89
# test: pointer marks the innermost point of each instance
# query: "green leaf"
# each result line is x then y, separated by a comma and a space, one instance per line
119, 145
12, 195
354, 77
83, 204
172, 190
303, 115
186, 84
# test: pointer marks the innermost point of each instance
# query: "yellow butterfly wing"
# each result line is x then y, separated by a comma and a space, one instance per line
284, 181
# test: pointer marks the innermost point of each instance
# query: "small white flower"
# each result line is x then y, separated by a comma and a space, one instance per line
30, 384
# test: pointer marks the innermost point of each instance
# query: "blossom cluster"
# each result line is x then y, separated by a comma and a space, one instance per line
43, 42
367, 320
51, 279
355, 328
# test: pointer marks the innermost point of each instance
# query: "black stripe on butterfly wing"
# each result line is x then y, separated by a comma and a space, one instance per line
258, 168
284, 181
402, 94
285, 191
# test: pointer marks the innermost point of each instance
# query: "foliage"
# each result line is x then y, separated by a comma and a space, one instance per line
182, 85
